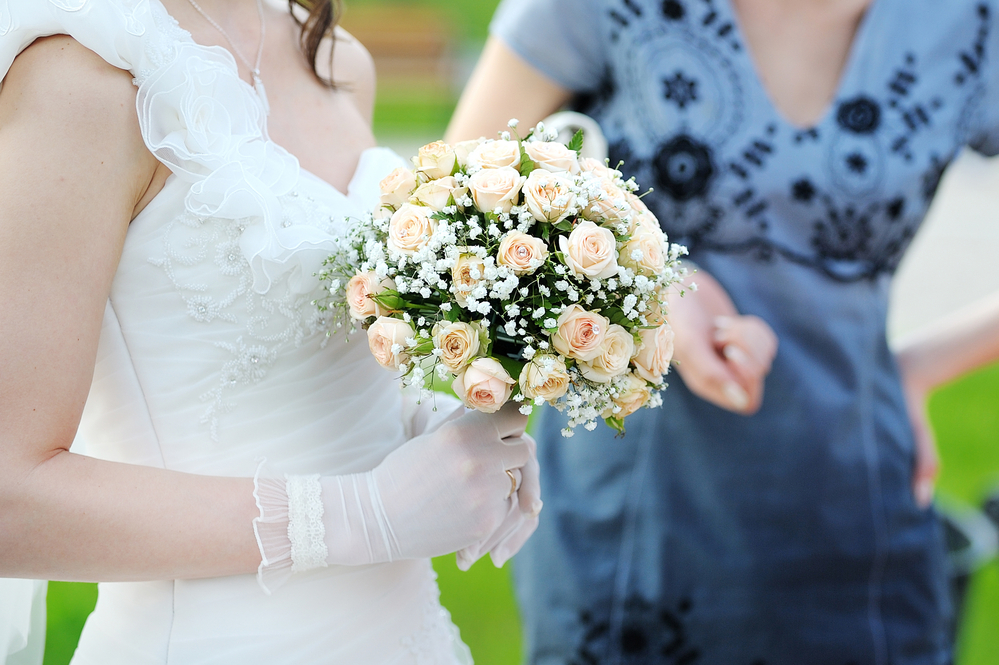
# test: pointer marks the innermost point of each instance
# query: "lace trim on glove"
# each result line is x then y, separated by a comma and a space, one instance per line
306, 530
271, 531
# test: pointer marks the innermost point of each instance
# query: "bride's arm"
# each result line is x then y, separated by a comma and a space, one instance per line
73, 172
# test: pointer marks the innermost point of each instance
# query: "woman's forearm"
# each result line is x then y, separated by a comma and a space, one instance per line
77, 518
952, 347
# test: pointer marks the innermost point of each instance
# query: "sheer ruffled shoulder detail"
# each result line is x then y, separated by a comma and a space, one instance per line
197, 116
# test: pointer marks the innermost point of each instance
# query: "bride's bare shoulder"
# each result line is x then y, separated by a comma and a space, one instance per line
354, 69
62, 93
59, 66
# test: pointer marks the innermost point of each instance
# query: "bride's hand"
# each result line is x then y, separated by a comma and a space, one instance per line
521, 519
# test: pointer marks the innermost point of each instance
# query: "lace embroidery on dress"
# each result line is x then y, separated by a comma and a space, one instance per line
270, 321
306, 530
437, 633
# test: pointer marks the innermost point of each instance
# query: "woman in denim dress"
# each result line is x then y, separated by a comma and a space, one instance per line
794, 147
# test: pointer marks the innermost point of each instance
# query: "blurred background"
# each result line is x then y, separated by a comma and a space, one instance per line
424, 50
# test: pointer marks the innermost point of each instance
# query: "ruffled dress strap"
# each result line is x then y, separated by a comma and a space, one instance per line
197, 116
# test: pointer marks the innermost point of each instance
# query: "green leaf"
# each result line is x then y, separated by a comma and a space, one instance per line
514, 367
576, 143
616, 424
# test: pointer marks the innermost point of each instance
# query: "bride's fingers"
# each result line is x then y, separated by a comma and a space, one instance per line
529, 494
467, 556
505, 550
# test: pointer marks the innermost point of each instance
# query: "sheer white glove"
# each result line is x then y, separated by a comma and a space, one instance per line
521, 519
436, 494
426, 415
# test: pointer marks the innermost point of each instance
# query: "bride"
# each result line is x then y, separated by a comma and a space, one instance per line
172, 173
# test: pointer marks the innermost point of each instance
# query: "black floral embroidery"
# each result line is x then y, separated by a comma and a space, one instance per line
680, 90
861, 115
673, 10
803, 190
649, 635
684, 167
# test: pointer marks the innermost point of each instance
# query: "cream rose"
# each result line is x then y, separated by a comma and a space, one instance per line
634, 393
521, 252
552, 156
549, 196
387, 341
496, 188
580, 334
463, 149
435, 194
458, 343
589, 251
435, 160
596, 167
643, 252
397, 186
613, 357
359, 289
652, 359
495, 155
608, 204
484, 385
410, 228
545, 376
466, 274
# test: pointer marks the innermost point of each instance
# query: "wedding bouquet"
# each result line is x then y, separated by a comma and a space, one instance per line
519, 269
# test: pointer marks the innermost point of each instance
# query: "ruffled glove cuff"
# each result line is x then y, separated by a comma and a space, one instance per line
289, 530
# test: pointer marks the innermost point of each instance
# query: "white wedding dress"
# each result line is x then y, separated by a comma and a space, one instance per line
212, 357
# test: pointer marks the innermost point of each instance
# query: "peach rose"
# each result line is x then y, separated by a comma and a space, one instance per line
397, 186
580, 334
466, 274
596, 167
496, 188
359, 289
521, 252
495, 155
552, 156
634, 394
643, 252
608, 205
613, 357
484, 385
549, 196
463, 149
458, 343
435, 194
652, 359
589, 251
545, 376
410, 228
387, 341
435, 160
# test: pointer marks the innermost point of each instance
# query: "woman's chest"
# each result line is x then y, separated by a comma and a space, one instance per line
683, 106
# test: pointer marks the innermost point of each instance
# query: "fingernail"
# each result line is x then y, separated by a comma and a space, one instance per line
536, 507
723, 322
737, 397
736, 355
924, 493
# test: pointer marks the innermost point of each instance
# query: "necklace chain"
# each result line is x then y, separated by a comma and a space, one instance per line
255, 68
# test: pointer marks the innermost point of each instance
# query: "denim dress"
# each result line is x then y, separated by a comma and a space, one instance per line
790, 537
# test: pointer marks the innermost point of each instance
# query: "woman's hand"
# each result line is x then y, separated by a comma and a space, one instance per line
722, 356
937, 354
927, 469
